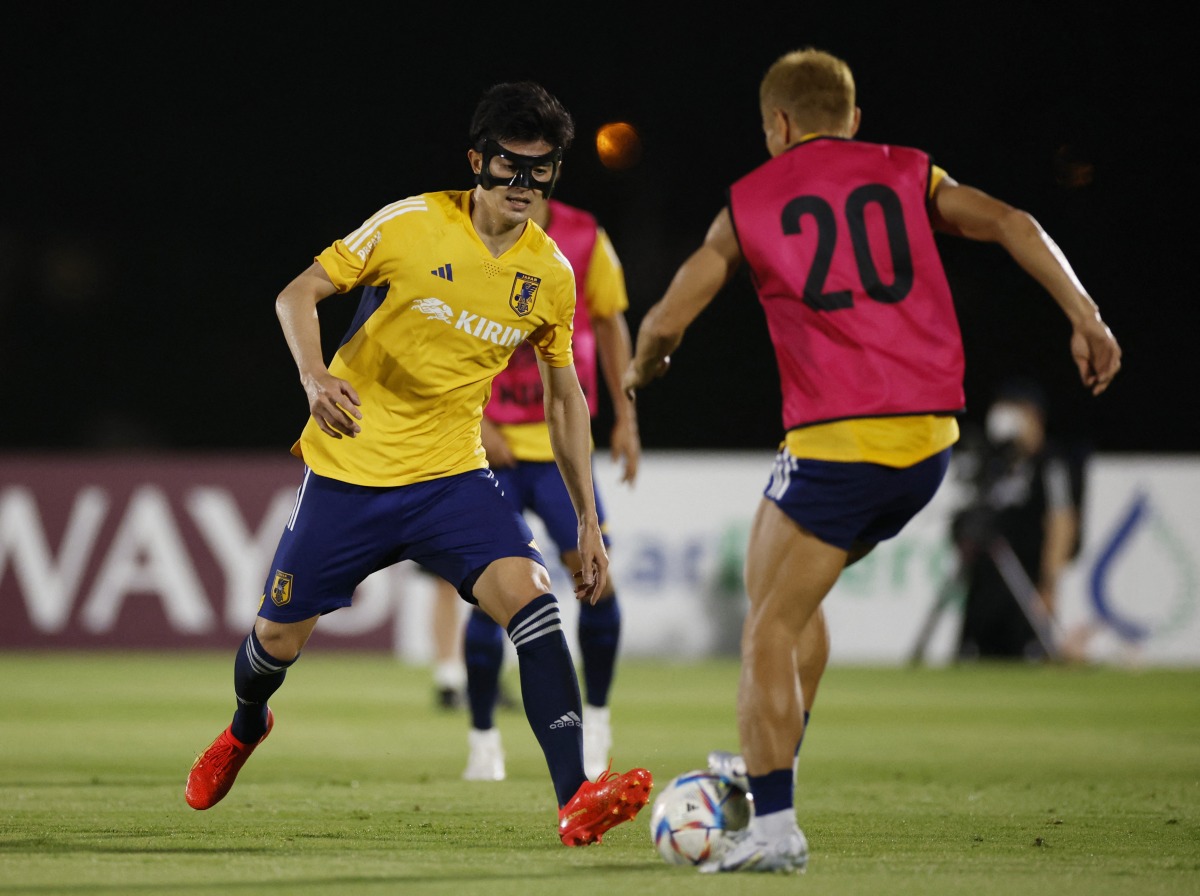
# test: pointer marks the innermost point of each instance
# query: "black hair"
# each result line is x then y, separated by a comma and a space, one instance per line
521, 111
1020, 388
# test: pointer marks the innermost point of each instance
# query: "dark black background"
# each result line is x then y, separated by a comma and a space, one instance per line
166, 171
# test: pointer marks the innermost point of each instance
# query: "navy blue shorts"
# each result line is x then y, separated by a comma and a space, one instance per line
538, 486
338, 534
845, 504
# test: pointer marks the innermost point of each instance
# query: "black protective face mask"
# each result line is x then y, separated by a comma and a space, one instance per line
524, 166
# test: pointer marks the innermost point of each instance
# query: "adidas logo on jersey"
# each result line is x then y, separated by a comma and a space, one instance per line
570, 720
444, 272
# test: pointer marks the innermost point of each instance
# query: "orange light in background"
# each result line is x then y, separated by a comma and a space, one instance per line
1073, 170
619, 145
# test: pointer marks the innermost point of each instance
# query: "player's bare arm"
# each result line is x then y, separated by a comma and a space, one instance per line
333, 402
694, 285
1062, 529
965, 211
569, 422
615, 349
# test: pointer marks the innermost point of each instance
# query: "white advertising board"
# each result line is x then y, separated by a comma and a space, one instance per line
1131, 595
171, 553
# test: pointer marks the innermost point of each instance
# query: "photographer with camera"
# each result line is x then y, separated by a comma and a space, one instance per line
1018, 533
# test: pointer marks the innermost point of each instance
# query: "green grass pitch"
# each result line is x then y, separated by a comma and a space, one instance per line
972, 780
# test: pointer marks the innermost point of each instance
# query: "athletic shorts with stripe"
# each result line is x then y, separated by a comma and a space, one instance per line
339, 533
848, 504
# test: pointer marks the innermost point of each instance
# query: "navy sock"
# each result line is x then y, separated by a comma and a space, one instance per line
773, 792
550, 692
256, 676
776, 790
483, 652
599, 636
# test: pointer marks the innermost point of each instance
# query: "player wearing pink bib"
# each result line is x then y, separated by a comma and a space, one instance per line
599, 292
838, 238
875, 332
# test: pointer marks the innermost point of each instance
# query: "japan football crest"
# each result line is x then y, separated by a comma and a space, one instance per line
281, 588
524, 293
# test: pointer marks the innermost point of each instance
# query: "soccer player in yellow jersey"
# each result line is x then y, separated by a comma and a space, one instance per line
838, 237
394, 468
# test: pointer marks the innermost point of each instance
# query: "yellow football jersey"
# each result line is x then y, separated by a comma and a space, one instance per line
423, 361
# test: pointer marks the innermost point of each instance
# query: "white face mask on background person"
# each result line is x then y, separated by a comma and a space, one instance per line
1005, 423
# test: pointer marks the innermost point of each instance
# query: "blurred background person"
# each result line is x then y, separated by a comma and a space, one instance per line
517, 443
447, 616
1019, 530
445, 628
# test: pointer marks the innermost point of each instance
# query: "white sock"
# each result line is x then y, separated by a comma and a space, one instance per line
776, 825
450, 674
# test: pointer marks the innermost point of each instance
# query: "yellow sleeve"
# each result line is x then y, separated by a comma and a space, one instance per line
604, 286
935, 177
342, 266
348, 268
553, 339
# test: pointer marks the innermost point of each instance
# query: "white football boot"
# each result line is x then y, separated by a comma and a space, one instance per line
731, 767
752, 850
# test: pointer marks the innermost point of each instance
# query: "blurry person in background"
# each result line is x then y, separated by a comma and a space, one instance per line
445, 628
517, 444
1019, 531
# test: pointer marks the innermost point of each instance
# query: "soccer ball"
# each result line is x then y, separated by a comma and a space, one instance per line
691, 815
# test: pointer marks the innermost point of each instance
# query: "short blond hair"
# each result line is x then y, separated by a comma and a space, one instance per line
813, 87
